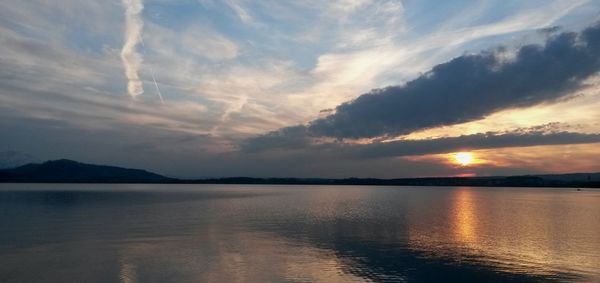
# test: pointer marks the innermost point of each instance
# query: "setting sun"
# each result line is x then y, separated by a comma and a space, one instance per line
463, 158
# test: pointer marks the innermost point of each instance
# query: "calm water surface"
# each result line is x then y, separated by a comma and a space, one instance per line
236, 233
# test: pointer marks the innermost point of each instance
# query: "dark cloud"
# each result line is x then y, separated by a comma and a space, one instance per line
287, 138
549, 30
468, 88
553, 133
464, 89
468, 142
343, 159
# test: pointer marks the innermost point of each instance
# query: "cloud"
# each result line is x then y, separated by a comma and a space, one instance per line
296, 138
240, 12
382, 46
286, 138
347, 5
194, 43
398, 158
61, 78
468, 142
467, 88
132, 60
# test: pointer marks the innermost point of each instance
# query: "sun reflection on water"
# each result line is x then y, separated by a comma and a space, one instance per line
464, 216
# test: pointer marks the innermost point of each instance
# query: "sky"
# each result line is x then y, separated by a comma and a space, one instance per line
304, 88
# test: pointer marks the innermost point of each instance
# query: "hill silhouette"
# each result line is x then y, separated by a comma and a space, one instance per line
69, 171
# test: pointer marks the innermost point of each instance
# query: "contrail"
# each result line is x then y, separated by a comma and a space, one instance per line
156, 85
132, 60
152, 72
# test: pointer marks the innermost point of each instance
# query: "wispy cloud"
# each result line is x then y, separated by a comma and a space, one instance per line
132, 60
242, 14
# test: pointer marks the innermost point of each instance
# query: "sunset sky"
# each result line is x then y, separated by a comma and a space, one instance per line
304, 88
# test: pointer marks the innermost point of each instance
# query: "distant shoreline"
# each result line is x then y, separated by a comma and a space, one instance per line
73, 172
416, 182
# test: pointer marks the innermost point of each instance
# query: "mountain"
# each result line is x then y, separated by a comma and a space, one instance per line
12, 159
69, 171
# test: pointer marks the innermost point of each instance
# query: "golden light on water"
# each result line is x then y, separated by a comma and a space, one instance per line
464, 216
463, 158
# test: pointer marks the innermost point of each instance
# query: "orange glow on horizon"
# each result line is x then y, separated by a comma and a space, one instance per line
465, 175
541, 159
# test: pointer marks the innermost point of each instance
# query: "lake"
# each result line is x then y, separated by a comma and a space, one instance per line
245, 233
